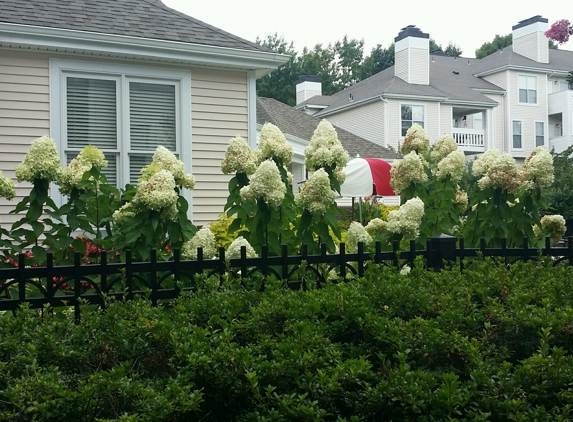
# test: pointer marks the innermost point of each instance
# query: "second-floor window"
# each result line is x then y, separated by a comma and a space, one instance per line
539, 134
527, 88
517, 140
411, 114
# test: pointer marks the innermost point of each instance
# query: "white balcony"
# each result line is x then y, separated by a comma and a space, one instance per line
469, 139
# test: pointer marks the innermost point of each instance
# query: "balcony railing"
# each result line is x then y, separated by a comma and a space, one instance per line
469, 138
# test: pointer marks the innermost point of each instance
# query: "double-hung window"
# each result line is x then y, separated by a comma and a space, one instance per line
125, 111
411, 114
527, 89
539, 134
517, 136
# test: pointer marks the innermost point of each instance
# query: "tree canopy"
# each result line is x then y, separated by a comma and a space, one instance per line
339, 65
498, 43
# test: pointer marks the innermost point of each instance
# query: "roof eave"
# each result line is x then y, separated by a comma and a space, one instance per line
519, 68
473, 103
94, 44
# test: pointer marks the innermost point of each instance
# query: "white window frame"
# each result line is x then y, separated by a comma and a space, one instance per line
413, 121
521, 134
527, 88
60, 69
535, 134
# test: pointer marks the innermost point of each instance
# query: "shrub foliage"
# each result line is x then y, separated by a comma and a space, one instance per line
490, 344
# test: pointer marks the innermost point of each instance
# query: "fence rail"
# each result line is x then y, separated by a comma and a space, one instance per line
69, 285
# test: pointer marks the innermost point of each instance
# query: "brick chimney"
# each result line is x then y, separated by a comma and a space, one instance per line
529, 39
412, 56
307, 87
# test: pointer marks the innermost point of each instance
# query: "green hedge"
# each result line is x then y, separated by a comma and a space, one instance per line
492, 344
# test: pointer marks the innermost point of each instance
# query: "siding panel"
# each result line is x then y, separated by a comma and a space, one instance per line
24, 115
218, 112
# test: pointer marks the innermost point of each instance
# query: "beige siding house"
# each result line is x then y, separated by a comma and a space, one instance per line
513, 100
151, 76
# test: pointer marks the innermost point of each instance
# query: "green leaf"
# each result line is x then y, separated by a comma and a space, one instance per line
39, 254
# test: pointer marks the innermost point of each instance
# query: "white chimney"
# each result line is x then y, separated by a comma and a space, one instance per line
307, 87
412, 56
529, 39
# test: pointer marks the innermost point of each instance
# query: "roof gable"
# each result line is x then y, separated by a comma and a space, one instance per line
301, 125
133, 18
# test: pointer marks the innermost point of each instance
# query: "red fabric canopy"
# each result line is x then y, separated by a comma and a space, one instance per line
380, 176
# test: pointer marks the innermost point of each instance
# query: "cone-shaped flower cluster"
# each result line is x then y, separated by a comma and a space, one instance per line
407, 219
41, 162
443, 147
451, 166
409, 170
273, 145
234, 250
266, 184
553, 226
205, 239
415, 140
157, 193
316, 195
239, 157
326, 151
163, 159
7, 189
73, 173
537, 171
356, 234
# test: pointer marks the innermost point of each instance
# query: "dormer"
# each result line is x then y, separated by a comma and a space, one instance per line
412, 56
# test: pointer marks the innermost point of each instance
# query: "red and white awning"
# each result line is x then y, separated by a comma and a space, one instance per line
366, 177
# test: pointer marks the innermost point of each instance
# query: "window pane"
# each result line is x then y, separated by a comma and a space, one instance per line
517, 141
405, 126
522, 95
406, 112
522, 82
418, 113
136, 163
532, 96
152, 116
539, 134
516, 134
91, 109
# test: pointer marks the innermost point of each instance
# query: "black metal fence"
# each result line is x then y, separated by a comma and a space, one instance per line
70, 285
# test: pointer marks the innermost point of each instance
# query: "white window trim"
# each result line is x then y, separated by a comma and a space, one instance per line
522, 136
535, 133
400, 114
536, 103
182, 78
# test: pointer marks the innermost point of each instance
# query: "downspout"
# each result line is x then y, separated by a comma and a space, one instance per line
386, 120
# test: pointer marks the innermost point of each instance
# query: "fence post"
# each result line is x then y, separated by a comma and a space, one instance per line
441, 248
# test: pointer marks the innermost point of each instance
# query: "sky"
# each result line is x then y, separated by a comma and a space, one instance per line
307, 23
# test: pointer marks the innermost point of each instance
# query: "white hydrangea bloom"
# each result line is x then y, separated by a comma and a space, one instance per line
409, 170
123, 214
482, 164
316, 195
273, 145
406, 220
163, 159
7, 188
405, 270
554, 225
234, 250
538, 168
443, 147
239, 157
157, 193
376, 228
415, 140
452, 165
89, 157
266, 184
41, 162
461, 200
356, 234
205, 239
324, 149
499, 172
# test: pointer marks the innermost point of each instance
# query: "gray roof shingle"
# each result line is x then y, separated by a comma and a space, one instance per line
450, 78
298, 123
133, 18
558, 60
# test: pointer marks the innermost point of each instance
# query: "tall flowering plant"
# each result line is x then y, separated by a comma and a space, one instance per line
431, 174
154, 214
325, 159
8, 191
560, 31
509, 200
260, 193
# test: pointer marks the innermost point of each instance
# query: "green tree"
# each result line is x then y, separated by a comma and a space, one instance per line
280, 84
320, 61
349, 59
453, 50
379, 59
499, 43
